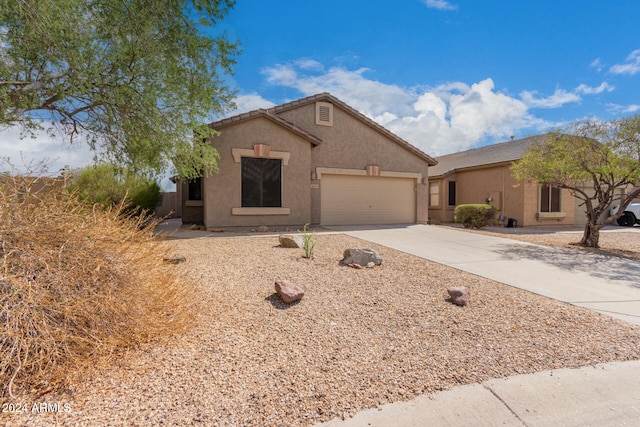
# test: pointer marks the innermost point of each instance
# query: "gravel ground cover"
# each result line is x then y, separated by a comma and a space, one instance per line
358, 339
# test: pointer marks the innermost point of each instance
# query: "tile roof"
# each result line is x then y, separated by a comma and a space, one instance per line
268, 114
327, 97
272, 114
484, 156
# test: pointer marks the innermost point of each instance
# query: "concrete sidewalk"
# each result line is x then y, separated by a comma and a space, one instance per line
604, 395
599, 396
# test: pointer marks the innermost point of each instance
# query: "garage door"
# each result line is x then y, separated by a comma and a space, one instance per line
348, 199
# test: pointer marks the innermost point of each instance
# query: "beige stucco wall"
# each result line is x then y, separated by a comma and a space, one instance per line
532, 204
475, 186
519, 200
353, 144
222, 191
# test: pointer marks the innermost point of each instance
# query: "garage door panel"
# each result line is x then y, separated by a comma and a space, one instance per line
347, 199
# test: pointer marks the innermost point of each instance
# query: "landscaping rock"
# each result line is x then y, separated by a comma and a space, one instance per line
361, 256
289, 291
174, 259
459, 295
262, 229
291, 241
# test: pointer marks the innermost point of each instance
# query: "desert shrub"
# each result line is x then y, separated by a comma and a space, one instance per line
474, 215
308, 242
108, 185
76, 284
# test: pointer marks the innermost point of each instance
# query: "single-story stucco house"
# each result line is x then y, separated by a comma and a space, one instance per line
483, 175
315, 160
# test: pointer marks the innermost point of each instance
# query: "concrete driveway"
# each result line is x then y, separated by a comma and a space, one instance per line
603, 283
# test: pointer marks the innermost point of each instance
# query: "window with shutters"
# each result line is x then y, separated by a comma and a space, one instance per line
324, 114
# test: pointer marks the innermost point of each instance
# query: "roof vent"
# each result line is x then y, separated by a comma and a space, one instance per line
324, 114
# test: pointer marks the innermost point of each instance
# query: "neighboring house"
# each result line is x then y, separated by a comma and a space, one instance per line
315, 160
483, 175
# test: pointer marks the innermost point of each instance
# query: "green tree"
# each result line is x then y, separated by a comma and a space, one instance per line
594, 160
110, 185
132, 77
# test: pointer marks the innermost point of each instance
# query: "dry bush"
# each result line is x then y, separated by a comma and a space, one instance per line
76, 284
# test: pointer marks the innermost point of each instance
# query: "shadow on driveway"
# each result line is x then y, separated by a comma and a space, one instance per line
604, 266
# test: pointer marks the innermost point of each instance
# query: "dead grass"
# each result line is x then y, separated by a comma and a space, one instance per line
76, 285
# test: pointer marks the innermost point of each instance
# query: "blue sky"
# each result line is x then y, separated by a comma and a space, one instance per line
444, 75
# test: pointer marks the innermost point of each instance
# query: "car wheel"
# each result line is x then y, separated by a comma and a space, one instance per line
627, 220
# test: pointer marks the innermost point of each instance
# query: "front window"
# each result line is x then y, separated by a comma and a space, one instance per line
434, 194
195, 189
261, 182
549, 199
452, 193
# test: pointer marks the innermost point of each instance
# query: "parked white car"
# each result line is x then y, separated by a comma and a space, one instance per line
631, 214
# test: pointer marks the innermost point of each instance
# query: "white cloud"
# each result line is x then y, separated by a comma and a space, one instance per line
561, 97
55, 152
631, 65
558, 99
624, 109
587, 90
440, 5
447, 118
309, 64
597, 64
249, 102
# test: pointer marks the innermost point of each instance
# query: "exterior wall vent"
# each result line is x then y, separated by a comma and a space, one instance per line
324, 114
373, 170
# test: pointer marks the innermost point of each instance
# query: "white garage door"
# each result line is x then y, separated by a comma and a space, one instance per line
348, 199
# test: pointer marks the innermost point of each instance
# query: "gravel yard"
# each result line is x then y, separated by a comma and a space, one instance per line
358, 339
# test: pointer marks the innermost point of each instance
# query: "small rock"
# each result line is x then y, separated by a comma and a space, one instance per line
194, 227
291, 241
174, 259
459, 295
371, 264
289, 291
361, 256
262, 229
355, 266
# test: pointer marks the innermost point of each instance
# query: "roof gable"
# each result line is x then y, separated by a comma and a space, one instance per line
327, 97
273, 115
262, 113
489, 155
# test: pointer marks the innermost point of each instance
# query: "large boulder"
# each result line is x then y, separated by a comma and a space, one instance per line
291, 241
289, 291
459, 295
360, 256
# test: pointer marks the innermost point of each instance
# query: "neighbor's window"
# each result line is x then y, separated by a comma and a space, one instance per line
195, 189
434, 194
452, 193
549, 199
261, 183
